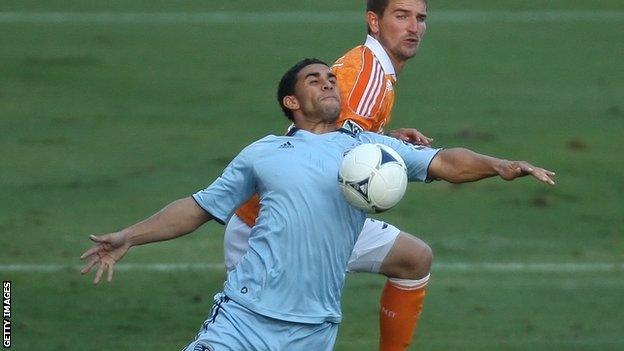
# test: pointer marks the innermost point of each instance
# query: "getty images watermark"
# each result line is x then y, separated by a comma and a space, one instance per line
6, 314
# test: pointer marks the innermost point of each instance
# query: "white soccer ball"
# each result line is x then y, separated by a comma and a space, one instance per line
372, 177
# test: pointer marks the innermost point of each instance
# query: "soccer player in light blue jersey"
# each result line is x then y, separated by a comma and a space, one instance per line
284, 294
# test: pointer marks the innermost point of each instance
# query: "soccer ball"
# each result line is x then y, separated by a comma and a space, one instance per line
372, 177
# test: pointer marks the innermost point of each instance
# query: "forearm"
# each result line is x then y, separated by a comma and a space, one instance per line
460, 165
176, 219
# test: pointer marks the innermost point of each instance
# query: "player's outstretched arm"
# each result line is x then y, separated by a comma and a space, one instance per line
459, 165
176, 219
411, 136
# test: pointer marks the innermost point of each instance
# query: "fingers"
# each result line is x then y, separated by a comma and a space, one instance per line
411, 136
416, 137
424, 141
92, 256
99, 254
514, 169
421, 139
87, 268
106, 264
102, 239
540, 174
98, 274
97, 248
544, 176
91, 251
110, 274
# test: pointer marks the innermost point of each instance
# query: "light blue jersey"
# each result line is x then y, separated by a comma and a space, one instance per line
295, 267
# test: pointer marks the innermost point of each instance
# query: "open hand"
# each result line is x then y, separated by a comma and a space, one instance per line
108, 249
510, 170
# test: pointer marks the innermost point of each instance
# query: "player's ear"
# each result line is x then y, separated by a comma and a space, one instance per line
291, 102
373, 22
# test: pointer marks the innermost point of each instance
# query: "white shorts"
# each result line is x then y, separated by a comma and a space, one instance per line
371, 248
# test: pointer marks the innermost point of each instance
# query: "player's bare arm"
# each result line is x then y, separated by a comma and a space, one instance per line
460, 165
176, 219
412, 136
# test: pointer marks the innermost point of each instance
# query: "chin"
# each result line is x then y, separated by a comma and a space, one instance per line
408, 53
333, 114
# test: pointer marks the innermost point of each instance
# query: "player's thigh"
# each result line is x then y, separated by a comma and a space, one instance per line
409, 258
235, 241
372, 246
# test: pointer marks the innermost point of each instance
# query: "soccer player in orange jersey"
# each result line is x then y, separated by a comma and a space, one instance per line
366, 78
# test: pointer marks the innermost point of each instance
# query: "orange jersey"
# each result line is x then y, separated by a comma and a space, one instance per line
366, 81
366, 90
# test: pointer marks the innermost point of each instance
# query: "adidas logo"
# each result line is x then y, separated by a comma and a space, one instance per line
286, 145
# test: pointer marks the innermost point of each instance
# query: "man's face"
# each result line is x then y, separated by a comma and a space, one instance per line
317, 93
401, 28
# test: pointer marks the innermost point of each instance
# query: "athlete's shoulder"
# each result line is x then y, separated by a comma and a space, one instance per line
268, 139
368, 136
353, 59
262, 144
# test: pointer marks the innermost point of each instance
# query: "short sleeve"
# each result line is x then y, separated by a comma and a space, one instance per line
417, 158
236, 184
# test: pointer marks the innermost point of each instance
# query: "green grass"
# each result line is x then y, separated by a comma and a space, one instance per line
103, 124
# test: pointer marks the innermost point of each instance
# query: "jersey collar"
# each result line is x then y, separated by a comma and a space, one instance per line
381, 55
293, 130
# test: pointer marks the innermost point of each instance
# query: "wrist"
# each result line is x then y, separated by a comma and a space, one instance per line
500, 167
126, 237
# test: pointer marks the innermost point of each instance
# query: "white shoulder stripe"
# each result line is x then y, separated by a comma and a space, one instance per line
372, 90
367, 91
378, 90
372, 95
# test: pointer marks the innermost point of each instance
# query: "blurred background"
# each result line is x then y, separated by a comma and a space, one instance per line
110, 110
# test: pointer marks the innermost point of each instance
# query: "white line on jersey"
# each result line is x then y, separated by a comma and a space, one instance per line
372, 91
238, 18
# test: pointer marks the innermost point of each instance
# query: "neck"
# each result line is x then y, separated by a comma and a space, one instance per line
316, 127
397, 64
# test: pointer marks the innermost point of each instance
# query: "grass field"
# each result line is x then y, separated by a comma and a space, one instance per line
109, 110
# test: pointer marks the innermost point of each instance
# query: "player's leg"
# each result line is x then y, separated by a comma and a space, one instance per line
235, 241
410, 258
406, 261
407, 267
